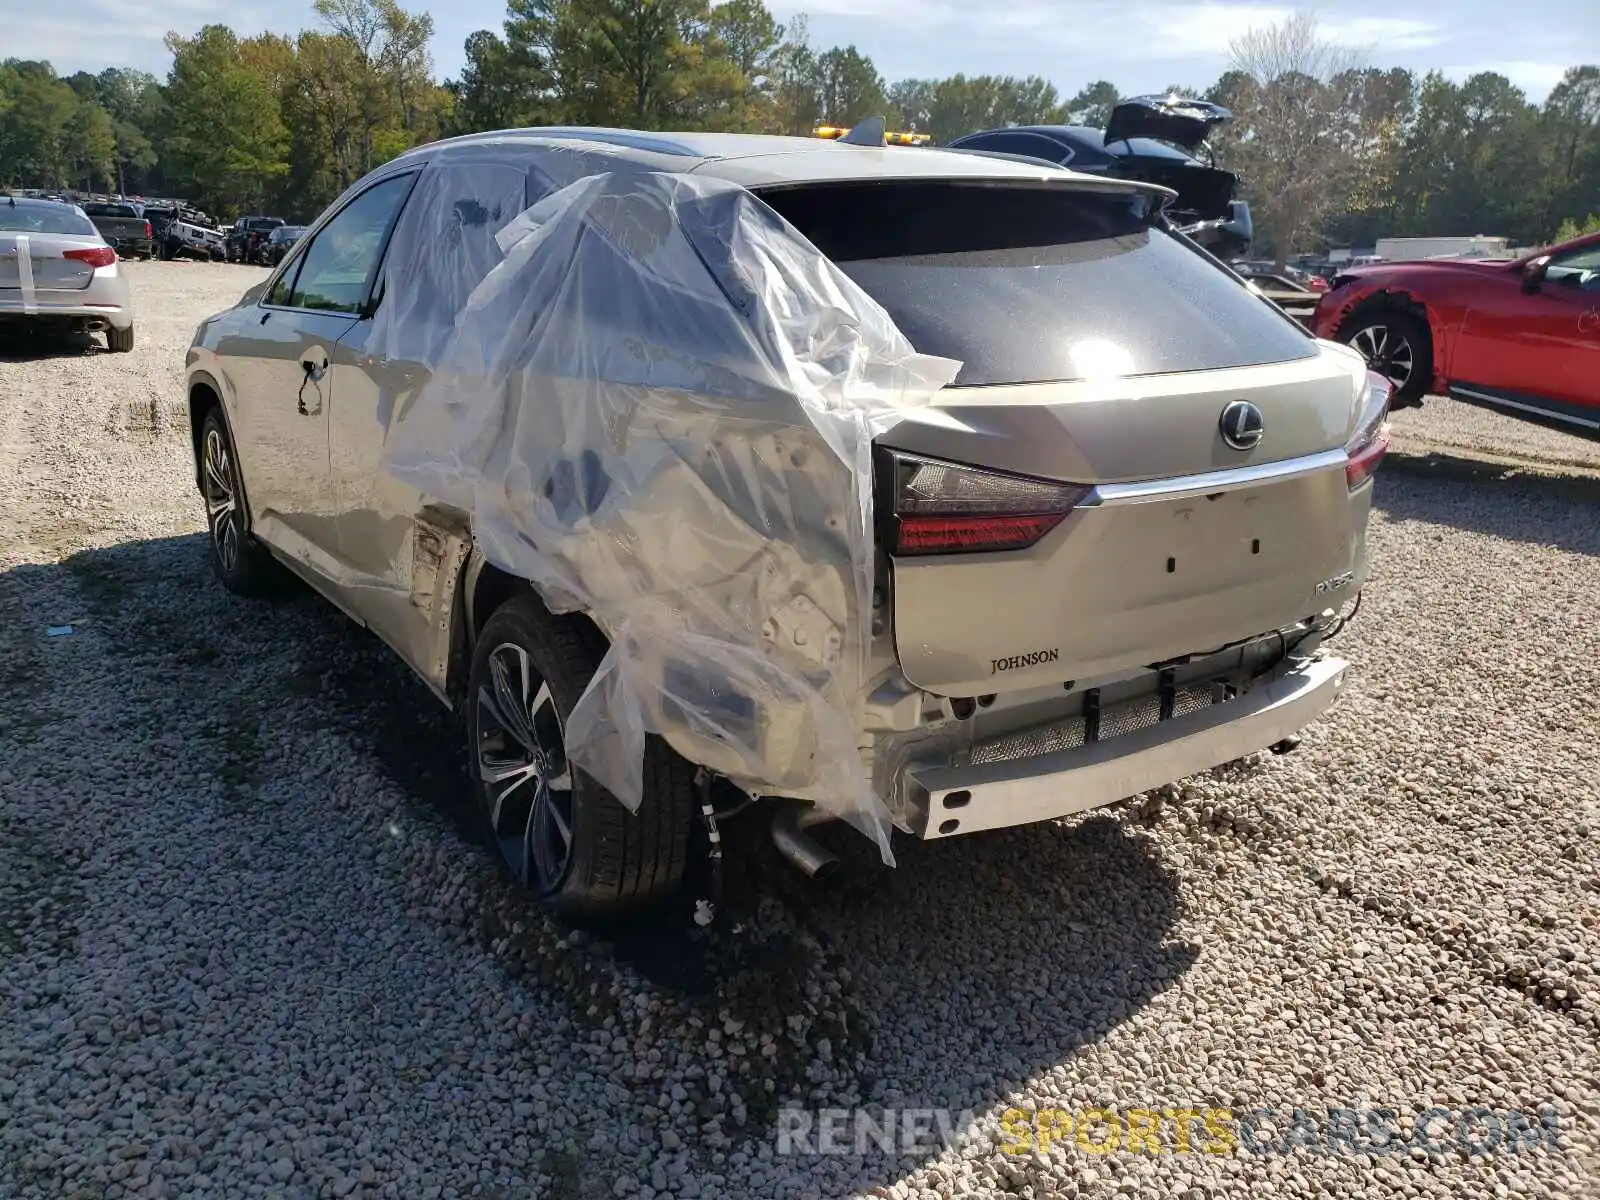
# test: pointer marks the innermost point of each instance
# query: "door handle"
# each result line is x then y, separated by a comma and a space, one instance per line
1589, 322
315, 366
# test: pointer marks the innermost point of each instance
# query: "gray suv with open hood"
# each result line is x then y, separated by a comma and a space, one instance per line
919, 490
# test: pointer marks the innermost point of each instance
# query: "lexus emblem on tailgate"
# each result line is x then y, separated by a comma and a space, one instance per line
1242, 425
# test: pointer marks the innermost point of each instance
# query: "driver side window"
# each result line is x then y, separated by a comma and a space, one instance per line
1578, 269
336, 270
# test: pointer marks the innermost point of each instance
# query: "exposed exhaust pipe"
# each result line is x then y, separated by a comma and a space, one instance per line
789, 825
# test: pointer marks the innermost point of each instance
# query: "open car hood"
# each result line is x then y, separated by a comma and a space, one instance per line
1176, 119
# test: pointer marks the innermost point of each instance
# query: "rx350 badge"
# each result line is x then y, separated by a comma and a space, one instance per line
1335, 583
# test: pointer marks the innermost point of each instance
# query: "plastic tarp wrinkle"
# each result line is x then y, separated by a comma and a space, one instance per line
659, 407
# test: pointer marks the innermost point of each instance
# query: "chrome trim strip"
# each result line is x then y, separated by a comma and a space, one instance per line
1551, 413
1212, 482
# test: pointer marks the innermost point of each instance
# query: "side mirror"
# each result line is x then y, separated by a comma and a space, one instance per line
1533, 273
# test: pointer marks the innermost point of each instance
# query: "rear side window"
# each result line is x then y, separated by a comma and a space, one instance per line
443, 246
1035, 285
44, 218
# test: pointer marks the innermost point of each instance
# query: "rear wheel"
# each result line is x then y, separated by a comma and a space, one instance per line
564, 837
240, 562
1396, 345
120, 340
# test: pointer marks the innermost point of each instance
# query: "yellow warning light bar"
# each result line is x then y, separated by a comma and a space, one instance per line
890, 138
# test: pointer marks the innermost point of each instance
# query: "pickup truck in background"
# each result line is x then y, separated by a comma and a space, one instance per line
182, 232
123, 226
247, 240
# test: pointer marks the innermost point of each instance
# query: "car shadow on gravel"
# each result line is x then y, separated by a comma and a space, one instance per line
33, 345
974, 966
1501, 500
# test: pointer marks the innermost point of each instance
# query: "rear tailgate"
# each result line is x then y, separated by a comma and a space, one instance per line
1140, 570
121, 230
1100, 358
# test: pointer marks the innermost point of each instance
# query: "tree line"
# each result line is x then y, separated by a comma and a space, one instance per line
1330, 150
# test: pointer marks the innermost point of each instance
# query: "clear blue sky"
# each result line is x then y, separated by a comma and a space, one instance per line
1138, 46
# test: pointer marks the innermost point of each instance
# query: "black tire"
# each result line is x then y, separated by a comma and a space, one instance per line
243, 564
1398, 345
615, 862
119, 340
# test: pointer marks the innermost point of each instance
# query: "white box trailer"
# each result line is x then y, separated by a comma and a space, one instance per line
1465, 246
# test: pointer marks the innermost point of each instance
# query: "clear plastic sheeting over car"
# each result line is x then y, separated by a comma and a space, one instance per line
659, 407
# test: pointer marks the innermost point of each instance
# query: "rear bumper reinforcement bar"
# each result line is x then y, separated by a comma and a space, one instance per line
948, 801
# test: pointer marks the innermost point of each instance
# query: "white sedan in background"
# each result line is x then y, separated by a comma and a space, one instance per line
56, 272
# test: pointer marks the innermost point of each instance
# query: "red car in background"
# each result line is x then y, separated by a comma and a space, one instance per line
1520, 336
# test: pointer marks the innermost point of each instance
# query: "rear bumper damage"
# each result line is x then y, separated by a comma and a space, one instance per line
951, 800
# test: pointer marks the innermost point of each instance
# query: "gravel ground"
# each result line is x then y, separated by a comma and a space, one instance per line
1451, 427
248, 947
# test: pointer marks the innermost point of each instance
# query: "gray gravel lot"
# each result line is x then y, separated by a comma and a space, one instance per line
249, 946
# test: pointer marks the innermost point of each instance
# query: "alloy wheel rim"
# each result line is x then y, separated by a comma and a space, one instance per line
222, 508
522, 762
1387, 352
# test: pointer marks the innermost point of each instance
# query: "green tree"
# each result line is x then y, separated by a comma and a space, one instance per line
1570, 131
390, 76
1473, 162
1571, 228
965, 104
849, 87
134, 103
497, 89
225, 136
1093, 104
745, 36
630, 61
911, 104
36, 121
797, 91
92, 144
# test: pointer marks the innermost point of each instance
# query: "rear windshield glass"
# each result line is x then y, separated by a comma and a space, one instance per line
110, 210
1033, 285
43, 218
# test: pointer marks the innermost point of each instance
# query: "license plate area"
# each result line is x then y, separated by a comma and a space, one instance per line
1209, 544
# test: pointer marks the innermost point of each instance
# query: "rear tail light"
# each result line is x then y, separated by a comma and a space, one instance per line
944, 508
148, 232
1370, 442
95, 256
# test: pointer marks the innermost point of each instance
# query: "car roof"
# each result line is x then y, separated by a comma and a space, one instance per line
37, 202
768, 160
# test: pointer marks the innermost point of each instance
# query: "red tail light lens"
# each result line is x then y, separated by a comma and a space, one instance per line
148, 232
1370, 442
946, 508
1365, 461
95, 256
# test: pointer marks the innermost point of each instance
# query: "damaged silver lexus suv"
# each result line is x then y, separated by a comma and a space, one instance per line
920, 490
